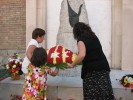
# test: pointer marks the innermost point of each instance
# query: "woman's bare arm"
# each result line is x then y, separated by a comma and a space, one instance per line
81, 55
30, 51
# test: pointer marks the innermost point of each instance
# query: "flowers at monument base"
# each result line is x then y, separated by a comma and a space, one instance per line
14, 65
15, 97
58, 56
127, 81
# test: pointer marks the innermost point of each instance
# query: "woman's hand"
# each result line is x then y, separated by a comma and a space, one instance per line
55, 72
69, 65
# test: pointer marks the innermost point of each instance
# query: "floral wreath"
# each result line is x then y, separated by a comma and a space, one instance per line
58, 56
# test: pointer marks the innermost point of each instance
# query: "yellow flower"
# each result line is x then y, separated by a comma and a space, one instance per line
74, 56
7, 66
14, 66
125, 80
30, 73
20, 62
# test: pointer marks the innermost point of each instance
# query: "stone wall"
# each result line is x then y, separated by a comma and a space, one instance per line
12, 28
5, 54
127, 35
12, 24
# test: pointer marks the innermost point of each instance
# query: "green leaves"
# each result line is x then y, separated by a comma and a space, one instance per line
59, 66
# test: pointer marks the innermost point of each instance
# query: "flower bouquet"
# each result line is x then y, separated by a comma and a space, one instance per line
127, 81
14, 66
58, 56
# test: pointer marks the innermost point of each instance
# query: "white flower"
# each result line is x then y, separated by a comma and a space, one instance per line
42, 79
130, 79
19, 57
55, 54
65, 54
36, 70
28, 81
23, 97
7, 67
30, 88
35, 93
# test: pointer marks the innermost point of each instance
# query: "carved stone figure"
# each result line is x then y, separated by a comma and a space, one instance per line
73, 16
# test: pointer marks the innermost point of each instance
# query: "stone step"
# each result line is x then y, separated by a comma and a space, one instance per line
65, 88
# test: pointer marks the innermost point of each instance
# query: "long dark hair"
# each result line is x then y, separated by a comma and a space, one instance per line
81, 28
39, 57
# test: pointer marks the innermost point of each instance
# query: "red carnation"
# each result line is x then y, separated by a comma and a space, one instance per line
10, 70
20, 65
10, 64
13, 61
17, 68
13, 56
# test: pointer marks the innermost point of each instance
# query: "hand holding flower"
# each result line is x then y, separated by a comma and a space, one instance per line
69, 65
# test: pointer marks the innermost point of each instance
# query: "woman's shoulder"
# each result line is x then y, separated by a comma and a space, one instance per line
83, 37
33, 42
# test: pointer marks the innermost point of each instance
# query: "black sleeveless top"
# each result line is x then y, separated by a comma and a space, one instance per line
95, 59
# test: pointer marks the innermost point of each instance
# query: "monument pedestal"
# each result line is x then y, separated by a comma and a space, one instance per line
65, 88
10, 87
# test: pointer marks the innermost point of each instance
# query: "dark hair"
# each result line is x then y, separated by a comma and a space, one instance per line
39, 57
38, 32
81, 28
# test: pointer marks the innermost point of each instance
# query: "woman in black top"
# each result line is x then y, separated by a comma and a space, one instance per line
95, 69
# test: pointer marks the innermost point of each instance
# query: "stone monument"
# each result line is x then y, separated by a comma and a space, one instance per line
72, 11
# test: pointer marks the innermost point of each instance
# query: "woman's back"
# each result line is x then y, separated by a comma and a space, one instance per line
95, 58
